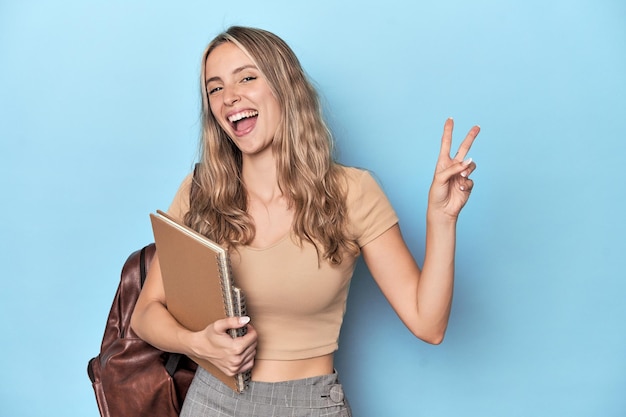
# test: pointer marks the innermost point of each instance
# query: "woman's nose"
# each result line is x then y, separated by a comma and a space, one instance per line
231, 96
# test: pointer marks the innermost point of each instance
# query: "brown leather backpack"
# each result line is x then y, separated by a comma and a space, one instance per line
130, 377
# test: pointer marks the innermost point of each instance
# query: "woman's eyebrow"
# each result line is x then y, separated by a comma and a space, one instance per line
235, 71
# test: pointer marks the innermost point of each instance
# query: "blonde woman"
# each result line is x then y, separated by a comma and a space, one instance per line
296, 221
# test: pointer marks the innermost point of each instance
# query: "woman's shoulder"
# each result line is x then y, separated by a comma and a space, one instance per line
369, 210
353, 174
180, 203
357, 178
361, 186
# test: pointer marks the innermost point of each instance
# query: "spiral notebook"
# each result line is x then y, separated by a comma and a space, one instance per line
198, 284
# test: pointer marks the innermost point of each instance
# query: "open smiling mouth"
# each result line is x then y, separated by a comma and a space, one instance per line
244, 121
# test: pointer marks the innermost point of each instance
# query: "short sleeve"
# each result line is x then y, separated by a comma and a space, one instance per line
180, 204
369, 211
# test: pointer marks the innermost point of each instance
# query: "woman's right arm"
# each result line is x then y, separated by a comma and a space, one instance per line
153, 323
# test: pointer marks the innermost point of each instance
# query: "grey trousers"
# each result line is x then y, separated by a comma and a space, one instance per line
310, 397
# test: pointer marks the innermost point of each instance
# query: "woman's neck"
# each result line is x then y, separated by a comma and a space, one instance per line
260, 177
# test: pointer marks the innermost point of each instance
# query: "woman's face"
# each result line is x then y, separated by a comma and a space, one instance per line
241, 99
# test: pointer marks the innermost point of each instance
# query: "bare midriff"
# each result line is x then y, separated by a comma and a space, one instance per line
275, 371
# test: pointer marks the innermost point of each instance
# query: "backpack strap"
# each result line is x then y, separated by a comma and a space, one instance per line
173, 360
142, 266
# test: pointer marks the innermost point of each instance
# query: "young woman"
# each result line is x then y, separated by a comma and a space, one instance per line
295, 221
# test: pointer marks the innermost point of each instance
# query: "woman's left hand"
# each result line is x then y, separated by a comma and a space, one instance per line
451, 185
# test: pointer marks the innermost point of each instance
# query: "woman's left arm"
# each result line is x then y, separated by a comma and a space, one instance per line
422, 299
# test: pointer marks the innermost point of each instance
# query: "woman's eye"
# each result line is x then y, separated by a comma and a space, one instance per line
214, 90
248, 79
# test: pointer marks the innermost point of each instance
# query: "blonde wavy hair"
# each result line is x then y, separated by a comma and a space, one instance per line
307, 173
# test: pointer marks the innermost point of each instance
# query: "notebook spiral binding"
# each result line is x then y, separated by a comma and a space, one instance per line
243, 379
235, 304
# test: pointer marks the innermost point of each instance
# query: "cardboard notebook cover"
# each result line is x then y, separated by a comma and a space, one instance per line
199, 287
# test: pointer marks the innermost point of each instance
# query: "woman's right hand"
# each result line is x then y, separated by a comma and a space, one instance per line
230, 355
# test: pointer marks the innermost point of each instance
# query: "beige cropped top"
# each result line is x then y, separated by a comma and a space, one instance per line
296, 303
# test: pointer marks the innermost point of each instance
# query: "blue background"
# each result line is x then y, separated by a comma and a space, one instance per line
99, 120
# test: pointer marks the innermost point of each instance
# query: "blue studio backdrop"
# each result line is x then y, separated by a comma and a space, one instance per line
99, 122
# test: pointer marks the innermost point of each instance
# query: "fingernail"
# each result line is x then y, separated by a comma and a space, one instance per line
462, 187
464, 174
467, 161
244, 320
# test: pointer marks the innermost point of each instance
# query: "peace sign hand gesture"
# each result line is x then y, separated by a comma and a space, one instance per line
451, 185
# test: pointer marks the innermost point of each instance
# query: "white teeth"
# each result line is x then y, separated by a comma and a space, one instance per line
242, 115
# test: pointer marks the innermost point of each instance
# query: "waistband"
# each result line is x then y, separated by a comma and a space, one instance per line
314, 392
